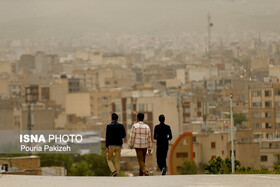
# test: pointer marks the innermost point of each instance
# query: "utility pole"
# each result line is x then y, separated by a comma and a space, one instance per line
178, 110
231, 130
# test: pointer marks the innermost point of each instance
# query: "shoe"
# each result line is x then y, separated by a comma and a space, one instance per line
163, 172
115, 174
146, 173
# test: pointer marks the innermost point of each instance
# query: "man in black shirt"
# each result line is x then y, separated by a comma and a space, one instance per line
162, 134
115, 132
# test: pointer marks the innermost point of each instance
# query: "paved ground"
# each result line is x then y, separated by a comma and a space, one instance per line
151, 181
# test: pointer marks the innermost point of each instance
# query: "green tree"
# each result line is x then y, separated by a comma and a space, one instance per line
79, 165
81, 169
64, 160
238, 118
277, 166
220, 166
188, 167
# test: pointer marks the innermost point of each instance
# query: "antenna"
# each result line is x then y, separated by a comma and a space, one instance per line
209, 25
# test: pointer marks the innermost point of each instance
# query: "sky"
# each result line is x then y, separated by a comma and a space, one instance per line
56, 18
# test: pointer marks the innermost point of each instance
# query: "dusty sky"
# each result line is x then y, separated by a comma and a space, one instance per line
44, 18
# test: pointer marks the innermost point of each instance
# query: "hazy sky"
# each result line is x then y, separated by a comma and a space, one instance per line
43, 18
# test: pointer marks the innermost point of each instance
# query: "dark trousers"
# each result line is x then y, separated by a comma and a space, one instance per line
161, 156
141, 157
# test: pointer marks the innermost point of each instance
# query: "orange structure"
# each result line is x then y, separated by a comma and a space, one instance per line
181, 151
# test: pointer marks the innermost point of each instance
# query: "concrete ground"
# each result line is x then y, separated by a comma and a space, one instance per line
150, 181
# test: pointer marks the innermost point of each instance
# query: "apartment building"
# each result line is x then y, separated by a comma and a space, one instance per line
264, 111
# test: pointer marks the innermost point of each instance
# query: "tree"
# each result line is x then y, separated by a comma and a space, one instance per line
277, 166
220, 166
239, 118
81, 169
188, 167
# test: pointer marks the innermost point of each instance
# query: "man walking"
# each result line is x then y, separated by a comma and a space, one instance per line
162, 134
140, 139
115, 132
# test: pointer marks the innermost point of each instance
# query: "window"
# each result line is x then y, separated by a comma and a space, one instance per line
141, 107
213, 157
213, 145
257, 104
263, 158
278, 114
256, 93
257, 125
267, 114
187, 119
257, 115
128, 106
182, 155
104, 98
277, 103
128, 116
277, 126
268, 104
257, 136
193, 154
118, 107
268, 125
104, 106
269, 136
277, 92
267, 93
187, 110
194, 138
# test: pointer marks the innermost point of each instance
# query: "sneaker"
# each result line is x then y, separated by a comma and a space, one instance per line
115, 174
163, 172
146, 173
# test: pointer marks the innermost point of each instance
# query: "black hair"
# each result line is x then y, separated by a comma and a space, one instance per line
140, 116
115, 117
161, 118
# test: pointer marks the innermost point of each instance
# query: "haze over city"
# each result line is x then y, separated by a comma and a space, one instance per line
211, 67
35, 19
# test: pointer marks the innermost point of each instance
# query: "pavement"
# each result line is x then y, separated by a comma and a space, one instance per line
148, 181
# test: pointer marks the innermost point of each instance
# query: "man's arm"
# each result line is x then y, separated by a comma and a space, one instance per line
149, 139
132, 137
123, 132
155, 133
169, 134
107, 137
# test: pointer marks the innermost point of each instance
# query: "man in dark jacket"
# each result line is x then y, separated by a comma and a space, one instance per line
162, 134
115, 132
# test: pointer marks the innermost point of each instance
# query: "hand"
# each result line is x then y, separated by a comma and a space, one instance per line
131, 147
149, 151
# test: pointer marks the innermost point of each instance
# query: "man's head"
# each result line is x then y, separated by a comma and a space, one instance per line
114, 117
161, 118
140, 116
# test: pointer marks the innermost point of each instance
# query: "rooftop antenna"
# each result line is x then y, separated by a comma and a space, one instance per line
209, 25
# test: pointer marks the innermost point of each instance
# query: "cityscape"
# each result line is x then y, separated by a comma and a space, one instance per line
76, 82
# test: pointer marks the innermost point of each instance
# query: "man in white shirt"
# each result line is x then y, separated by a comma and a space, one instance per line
140, 139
